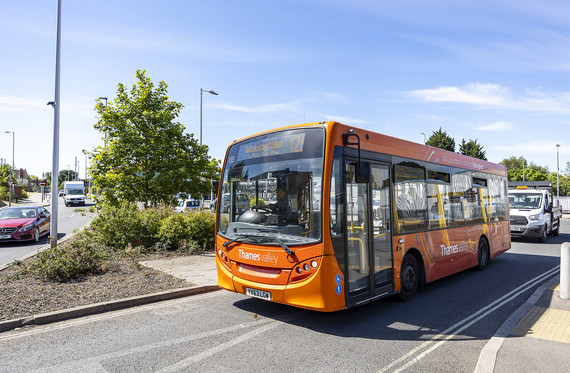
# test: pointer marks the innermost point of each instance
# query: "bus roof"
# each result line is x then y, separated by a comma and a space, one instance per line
377, 142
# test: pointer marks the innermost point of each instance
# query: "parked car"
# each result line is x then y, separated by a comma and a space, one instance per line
61, 192
24, 223
187, 205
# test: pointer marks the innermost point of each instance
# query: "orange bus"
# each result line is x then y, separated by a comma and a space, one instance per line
325, 216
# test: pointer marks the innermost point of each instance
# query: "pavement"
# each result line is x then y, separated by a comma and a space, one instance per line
536, 337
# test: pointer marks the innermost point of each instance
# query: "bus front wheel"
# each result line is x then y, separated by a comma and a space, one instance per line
409, 278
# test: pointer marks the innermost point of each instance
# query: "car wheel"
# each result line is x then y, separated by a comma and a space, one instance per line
483, 254
36, 234
409, 278
544, 235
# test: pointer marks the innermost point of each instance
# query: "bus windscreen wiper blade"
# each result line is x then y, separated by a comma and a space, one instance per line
228, 243
287, 249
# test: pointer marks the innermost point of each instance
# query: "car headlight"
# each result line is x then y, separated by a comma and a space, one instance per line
26, 228
534, 217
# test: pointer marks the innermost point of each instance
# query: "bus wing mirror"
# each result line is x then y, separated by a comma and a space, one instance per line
362, 175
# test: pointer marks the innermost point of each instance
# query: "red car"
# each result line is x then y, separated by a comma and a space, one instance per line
24, 223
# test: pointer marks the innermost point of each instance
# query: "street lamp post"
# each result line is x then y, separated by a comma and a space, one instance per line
12, 170
424, 138
210, 92
55, 161
557, 174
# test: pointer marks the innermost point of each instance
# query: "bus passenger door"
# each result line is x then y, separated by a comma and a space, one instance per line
368, 238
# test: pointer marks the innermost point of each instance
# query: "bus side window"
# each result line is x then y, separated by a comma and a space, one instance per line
439, 205
410, 198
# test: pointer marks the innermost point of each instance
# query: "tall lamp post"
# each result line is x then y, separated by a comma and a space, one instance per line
557, 174
424, 138
210, 92
12, 170
55, 161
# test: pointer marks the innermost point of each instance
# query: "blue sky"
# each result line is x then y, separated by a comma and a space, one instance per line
494, 71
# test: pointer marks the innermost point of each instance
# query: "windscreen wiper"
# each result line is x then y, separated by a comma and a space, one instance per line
282, 244
271, 233
228, 243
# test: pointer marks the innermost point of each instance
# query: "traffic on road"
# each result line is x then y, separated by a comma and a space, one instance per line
69, 220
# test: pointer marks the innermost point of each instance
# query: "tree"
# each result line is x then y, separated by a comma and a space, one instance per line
532, 172
564, 179
147, 157
440, 139
472, 149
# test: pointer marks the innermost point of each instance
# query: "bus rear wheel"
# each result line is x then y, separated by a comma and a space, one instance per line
409, 278
483, 255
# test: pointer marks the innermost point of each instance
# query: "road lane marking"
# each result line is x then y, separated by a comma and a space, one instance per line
186, 363
414, 355
95, 361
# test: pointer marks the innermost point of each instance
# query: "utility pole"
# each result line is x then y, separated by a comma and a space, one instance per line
55, 164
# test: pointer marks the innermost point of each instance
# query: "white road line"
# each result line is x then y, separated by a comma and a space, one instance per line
95, 361
414, 355
186, 363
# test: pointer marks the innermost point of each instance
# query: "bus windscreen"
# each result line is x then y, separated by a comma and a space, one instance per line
271, 188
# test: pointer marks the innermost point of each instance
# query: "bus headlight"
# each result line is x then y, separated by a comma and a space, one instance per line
304, 270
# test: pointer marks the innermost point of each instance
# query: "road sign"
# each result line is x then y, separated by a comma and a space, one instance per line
43, 183
10, 182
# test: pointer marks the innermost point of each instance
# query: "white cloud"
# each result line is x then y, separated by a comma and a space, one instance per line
496, 126
496, 96
14, 103
475, 93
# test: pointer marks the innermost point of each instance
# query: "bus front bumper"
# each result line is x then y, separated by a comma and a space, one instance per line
319, 292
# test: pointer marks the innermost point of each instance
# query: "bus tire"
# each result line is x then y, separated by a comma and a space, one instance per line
409, 278
482, 254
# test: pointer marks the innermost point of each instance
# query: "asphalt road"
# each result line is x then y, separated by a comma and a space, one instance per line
69, 220
443, 329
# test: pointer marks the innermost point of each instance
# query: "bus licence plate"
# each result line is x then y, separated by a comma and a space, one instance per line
258, 293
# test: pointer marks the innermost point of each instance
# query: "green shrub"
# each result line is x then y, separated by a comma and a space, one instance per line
202, 228
156, 228
67, 263
173, 230
116, 227
151, 221
4, 194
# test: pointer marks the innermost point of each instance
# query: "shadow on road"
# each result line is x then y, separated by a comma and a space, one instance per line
442, 303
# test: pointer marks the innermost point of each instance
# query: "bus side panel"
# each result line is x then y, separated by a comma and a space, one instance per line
448, 251
500, 240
